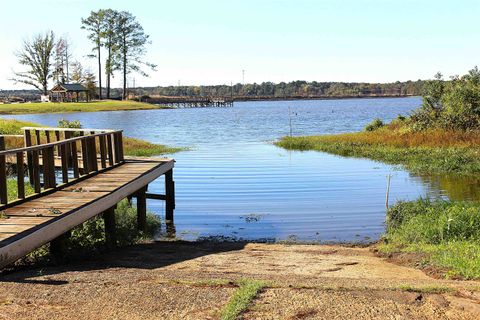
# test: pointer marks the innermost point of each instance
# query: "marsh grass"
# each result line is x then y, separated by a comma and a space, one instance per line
429, 151
93, 106
447, 234
141, 148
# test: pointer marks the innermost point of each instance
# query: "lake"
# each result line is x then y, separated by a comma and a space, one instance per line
235, 184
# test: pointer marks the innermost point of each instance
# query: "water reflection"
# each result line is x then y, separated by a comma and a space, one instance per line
453, 187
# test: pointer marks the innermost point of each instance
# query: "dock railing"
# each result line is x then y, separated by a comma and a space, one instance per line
55, 157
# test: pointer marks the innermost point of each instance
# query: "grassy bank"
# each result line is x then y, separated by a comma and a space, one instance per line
93, 106
132, 147
427, 151
446, 235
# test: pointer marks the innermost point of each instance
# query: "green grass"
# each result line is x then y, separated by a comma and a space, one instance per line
241, 299
12, 126
446, 234
141, 148
12, 189
426, 289
93, 106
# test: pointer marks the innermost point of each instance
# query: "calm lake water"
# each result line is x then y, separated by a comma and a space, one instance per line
234, 183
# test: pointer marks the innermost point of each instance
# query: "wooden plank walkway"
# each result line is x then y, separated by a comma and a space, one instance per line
55, 209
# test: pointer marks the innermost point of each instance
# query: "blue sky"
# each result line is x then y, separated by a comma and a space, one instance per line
211, 41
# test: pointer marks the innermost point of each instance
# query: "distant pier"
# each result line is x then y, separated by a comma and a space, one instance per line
191, 102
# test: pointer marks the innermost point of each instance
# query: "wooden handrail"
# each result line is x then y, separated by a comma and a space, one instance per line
43, 160
56, 143
67, 129
11, 135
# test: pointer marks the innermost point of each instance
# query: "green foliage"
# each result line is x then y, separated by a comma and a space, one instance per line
36, 56
447, 233
12, 126
12, 189
374, 125
451, 105
74, 124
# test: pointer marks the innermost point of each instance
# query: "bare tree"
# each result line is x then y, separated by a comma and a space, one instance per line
63, 57
36, 54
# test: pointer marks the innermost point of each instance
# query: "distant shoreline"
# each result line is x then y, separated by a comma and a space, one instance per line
243, 99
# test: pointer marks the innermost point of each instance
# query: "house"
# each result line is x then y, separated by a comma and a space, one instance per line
69, 92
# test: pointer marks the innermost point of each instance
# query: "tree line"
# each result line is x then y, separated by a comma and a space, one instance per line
294, 89
118, 33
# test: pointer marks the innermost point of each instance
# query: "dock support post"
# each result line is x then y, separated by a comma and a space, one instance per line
170, 195
58, 246
142, 209
110, 232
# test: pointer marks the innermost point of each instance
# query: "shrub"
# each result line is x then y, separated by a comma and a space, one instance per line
374, 125
74, 124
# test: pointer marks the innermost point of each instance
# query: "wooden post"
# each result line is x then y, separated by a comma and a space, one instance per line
142, 209
110, 232
20, 176
170, 195
3, 175
28, 142
58, 246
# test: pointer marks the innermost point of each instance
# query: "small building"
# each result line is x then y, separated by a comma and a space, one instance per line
69, 92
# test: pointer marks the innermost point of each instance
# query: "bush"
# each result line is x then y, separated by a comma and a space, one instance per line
74, 124
374, 125
450, 105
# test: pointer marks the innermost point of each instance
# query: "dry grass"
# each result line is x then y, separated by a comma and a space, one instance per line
395, 136
429, 151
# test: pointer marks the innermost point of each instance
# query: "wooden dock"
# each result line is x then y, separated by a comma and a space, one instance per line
82, 174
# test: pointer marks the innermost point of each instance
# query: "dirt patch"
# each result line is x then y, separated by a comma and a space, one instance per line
180, 280
414, 260
320, 304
